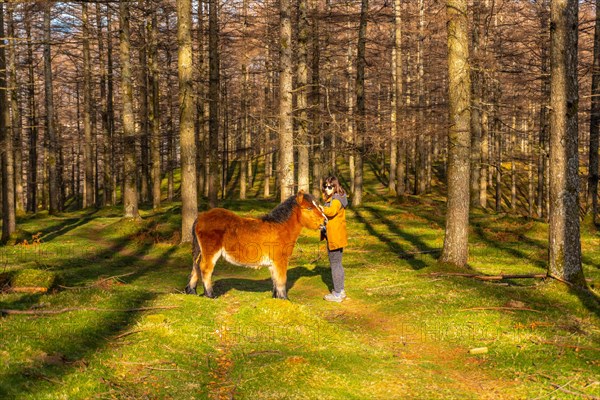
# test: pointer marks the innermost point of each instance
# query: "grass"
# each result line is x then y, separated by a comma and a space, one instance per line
403, 332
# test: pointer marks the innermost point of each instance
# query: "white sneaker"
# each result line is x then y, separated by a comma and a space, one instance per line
335, 297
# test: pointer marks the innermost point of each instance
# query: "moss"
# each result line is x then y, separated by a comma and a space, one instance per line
33, 278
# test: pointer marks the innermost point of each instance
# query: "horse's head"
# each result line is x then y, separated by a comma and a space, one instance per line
311, 216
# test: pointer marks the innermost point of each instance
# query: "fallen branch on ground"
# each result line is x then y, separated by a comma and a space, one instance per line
100, 282
500, 309
568, 346
489, 277
578, 394
71, 309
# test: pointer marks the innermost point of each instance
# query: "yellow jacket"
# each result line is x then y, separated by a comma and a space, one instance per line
335, 210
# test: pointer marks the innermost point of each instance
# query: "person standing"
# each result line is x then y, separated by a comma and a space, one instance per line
336, 201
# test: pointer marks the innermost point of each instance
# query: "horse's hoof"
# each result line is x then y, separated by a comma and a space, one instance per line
189, 290
210, 295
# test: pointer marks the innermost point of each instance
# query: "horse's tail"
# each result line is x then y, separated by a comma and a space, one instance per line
196, 255
196, 250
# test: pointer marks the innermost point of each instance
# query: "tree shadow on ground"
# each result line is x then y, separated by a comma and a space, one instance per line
64, 351
224, 285
59, 227
394, 247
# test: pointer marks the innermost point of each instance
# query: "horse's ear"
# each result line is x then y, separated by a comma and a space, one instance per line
300, 197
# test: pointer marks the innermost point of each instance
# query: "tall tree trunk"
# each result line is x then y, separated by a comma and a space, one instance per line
154, 109
542, 201
421, 144
393, 131
302, 98
592, 193
105, 120
201, 106
485, 155
33, 125
476, 81
52, 139
88, 198
286, 145
315, 100
513, 165
456, 249
531, 164
361, 123
245, 129
130, 194
16, 124
6, 139
564, 238
400, 174
189, 201
144, 162
110, 167
214, 102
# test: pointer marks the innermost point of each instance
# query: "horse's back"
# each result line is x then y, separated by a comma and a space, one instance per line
221, 219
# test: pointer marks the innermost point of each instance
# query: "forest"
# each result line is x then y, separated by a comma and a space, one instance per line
465, 132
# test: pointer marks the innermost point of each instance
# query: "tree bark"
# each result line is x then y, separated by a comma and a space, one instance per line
315, 101
542, 190
476, 81
400, 173
564, 237
17, 128
592, 192
110, 168
6, 139
302, 98
456, 249
52, 139
88, 188
361, 123
154, 109
286, 145
189, 206
130, 193
214, 101
33, 126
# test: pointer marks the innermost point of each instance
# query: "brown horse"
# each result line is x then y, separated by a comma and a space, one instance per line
252, 242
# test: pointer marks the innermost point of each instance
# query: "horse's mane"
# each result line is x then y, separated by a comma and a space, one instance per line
283, 211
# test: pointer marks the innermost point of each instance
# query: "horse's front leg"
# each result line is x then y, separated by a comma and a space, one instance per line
279, 277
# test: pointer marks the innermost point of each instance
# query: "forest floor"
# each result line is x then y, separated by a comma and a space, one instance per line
405, 331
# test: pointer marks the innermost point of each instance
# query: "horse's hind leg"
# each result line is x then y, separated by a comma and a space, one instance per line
279, 276
206, 268
193, 282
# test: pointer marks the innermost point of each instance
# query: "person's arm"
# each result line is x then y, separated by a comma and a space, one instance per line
333, 209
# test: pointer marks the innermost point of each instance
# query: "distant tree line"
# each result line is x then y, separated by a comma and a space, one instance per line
102, 102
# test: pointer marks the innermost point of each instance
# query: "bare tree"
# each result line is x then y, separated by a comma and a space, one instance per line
6, 139
361, 123
213, 98
286, 145
130, 193
302, 96
564, 238
88, 198
189, 207
52, 139
154, 108
32, 121
400, 173
592, 193
16, 113
456, 248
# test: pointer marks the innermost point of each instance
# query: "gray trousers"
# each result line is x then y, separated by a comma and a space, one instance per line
337, 271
